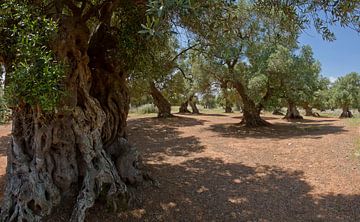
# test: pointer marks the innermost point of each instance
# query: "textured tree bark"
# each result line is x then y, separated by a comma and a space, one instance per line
70, 156
346, 113
163, 105
192, 103
228, 108
308, 110
292, 112
251, 114
183, 107
228, 105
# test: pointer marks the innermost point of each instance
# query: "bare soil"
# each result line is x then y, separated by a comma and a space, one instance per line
210, 168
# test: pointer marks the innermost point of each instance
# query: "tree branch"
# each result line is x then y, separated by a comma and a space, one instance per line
183, 73
183, 51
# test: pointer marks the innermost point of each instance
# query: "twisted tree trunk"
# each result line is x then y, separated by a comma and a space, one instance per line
74, 154
251, 114
183, 107
292, 112
346, 113
163, 105
228, 105
308, 110
192, 103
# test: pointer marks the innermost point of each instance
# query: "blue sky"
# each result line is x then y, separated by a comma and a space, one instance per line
339, 57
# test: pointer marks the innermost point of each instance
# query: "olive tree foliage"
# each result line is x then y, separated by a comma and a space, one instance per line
321, 99
213, 75
298, 78
319, 14
150, 77
33, 73
346, 93
68, 62
227, 31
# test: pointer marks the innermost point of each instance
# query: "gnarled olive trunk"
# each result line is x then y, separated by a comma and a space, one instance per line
308, 110
163, 105
69, 157
228, 105
192, 103
183, 107
251, 114
346, 113
292, 112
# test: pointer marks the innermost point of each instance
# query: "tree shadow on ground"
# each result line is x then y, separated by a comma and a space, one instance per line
161, 136
277, 130
201, 114
206, 189
262, 117
320, 120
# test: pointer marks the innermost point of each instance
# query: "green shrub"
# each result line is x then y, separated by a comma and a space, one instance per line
5, 112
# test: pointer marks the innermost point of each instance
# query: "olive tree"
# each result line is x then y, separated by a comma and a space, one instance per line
346, 93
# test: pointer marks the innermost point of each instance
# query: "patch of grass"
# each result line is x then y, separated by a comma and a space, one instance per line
353, 121
175, 109
218, 110
144, 109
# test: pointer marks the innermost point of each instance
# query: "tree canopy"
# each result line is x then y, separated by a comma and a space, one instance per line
72, 65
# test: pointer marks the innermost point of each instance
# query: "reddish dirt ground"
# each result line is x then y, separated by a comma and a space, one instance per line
212, 169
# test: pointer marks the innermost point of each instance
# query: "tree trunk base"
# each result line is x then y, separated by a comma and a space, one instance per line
346, 114
293, 117
292, 113
183, 108
254, 122
165, 115
316, 114
228, 109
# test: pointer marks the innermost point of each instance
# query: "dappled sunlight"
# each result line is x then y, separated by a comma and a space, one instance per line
277, 130
262, 193
162, 137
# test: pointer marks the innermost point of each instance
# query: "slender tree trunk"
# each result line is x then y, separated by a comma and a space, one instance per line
69, 157
163, 105
346, 113
192, 103
292, 112
251, 114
